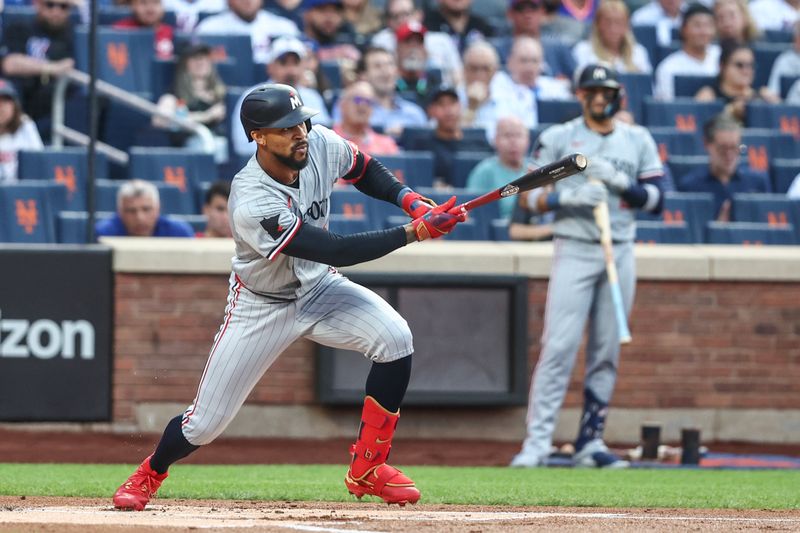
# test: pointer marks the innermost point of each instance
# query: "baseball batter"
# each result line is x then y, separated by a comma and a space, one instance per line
283, 287
625, 160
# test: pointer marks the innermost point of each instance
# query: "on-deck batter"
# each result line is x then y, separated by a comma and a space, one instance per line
283, 287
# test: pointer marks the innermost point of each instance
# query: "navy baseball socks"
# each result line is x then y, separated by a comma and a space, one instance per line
136, 492
590, 450
368, 472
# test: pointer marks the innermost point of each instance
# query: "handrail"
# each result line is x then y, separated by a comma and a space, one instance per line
61, 131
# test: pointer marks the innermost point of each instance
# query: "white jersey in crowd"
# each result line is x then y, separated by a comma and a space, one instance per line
262, 29
681, 63
187, 12
774, 14
630, 148
787, 64
584, 54
442, 53
266, 214
25, 138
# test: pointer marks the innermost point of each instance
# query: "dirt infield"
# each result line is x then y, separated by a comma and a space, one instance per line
48, 515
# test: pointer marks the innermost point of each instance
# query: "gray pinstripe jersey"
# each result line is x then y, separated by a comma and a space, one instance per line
630, 148
265, 216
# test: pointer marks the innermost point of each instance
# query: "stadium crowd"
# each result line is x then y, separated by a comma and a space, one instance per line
450, 95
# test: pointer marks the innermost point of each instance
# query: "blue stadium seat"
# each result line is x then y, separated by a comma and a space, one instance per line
414, 168
693, 208
557, 111
331, 70
647, 37
71, 227
765, 56
682, 113
749, 233
660, 232
777, 36
687, 86
178, 166
783, 172
108, 15
347, 225
664, 51
237, 48
463, 164
781, 117
68, 166
674, 142
774, 209
413, 136
786, 83
234, 74
499, 230
680, 166
638, 86
117, 54
351, 203
760, 147
28, 211
106, 194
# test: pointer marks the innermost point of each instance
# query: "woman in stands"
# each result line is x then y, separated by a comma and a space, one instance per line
734, 84
612, 41
734, 22
198, 94
17, 132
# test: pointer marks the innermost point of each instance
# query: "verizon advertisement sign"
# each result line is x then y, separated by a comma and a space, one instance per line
55, 333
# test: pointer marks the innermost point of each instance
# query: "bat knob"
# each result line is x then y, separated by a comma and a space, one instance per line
581, 161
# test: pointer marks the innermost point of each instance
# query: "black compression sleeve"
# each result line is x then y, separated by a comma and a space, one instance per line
317, 244
379, 182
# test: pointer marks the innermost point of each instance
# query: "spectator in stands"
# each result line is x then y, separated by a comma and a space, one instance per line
363, 17
519, 91
17, 132
415, 75
245, 17
290, 9
511, 142
734, 22
356, 104
697, 56
444, 108
480, 65
187, 12
139, 215
580, 10
215, 209
198, 94
527, 224
442, 52
455, 18
722, 137
325, 26
285, 64
777, 15
787, 64
612, 41
557, 25
734, 84
526, 18
149, 14
391, 112
664, 15
37, 52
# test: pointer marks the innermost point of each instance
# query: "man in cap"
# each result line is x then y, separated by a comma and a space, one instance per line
284, 286
625, 172
415, 75
285, 64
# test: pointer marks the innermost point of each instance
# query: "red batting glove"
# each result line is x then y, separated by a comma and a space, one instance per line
438, 221
416, 205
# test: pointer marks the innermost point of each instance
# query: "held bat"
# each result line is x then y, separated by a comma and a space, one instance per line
545, 175
603, 222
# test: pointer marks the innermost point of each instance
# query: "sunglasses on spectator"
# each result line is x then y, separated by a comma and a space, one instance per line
522, 6
362, 100
743, 64
60, 5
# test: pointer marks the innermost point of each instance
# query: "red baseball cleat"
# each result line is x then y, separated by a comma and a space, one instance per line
368, 472
135, 493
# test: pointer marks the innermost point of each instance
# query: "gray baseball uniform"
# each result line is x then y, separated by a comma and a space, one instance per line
578, 289
274, 299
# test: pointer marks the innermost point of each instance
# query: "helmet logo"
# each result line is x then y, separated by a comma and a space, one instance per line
295, 100
599, 74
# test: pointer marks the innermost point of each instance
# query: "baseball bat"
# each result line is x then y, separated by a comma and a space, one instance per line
603, 222
544, 175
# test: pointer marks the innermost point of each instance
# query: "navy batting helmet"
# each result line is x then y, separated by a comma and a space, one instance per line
274, 105
599, 75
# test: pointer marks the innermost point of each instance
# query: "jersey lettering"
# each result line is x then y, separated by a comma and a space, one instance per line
46, 339
316, 210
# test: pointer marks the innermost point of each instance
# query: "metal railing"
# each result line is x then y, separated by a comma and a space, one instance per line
61, 132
